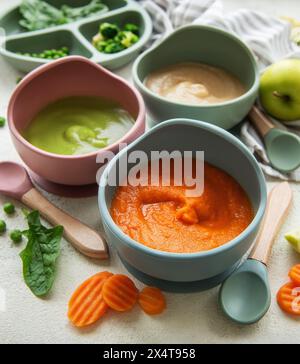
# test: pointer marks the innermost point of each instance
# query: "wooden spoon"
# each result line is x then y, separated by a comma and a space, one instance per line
15, 182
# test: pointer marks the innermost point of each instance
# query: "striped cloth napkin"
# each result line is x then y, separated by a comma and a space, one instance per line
268, 37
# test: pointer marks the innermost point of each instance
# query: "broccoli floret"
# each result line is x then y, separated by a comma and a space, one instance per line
132, 28
108, 30
101, 45
127, 39
97, 38
113, 47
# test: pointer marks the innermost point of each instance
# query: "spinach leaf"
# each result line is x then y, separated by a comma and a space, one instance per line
39, 256
37, 14
94, 7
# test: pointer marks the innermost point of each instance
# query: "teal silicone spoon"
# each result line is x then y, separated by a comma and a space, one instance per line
283, 147
245, 296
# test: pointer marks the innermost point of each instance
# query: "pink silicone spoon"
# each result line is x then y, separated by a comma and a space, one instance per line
15, 182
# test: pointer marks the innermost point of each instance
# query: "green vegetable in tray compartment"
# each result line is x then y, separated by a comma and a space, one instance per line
112, 39
37, 14
49, 53
16, 236
113, 47
40, 255
132, 28
2, 121
8, 208
127, 39
2, 226
108, 30
94, 7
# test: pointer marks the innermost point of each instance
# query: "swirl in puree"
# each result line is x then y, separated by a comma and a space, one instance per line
164, 218
195, 83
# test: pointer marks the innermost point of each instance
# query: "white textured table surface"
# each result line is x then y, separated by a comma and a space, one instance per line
194, 318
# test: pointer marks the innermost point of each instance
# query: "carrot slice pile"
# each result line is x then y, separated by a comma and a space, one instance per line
294, 274
288, 298
105, 290
152, 301
119, 293
86, 305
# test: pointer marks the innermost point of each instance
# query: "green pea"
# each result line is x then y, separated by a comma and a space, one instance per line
9, 208
16, 236
2, 121
2, 226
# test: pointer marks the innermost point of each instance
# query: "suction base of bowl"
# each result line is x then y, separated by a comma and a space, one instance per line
65, 190
180, 287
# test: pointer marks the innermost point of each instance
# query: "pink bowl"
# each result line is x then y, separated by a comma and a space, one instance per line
70, 76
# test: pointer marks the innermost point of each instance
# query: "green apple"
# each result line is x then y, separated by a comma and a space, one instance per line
280, 90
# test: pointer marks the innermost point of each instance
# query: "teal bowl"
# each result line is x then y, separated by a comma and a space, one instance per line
187, 271
205, 44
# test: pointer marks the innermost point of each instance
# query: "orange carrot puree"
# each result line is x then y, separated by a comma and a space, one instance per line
164, 218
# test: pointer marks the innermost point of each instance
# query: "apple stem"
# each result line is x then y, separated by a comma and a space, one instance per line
281, 96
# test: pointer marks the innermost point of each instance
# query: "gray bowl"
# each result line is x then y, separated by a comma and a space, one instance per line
77, 36
205, 44
181, 271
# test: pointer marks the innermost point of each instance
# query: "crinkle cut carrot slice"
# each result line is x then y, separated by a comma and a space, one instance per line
288, 298
294, 274
86, 305
120, 293
152, 301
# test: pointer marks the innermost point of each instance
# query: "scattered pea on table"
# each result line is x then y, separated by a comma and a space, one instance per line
2, 121
16, 236
2, 226
9, 208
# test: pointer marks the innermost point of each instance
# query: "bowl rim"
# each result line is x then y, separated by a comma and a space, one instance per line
107, 219
139, 120
140, 84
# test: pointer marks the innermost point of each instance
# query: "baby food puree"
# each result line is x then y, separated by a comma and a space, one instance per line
164, 218
195, 83
78, 125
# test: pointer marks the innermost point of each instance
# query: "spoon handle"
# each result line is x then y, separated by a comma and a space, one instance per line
261, 122
279, 201
82, 237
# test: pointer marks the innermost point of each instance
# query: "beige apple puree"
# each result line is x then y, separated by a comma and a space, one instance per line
195, 83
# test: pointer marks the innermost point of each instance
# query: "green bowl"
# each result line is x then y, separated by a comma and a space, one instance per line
76, 35
205, 44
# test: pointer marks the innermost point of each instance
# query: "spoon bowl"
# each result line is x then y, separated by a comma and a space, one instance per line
246, 295
283, 149
14, 180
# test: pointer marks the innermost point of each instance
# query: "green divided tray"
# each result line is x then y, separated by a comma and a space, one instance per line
76, 36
